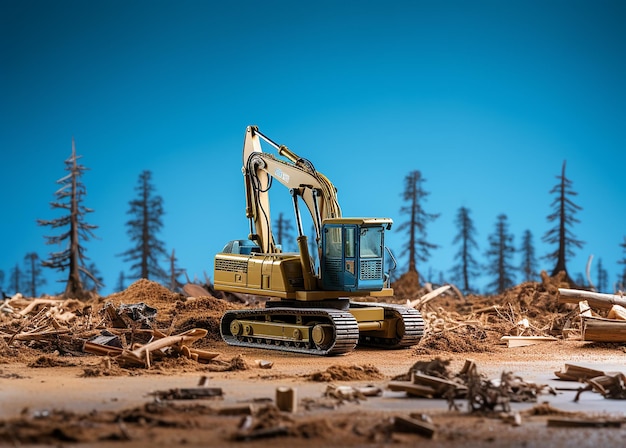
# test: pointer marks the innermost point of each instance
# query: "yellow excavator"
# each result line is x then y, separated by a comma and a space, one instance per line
311, 307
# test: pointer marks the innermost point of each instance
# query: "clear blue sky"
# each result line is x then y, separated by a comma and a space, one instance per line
485, 98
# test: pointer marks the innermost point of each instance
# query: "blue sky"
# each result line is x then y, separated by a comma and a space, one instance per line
485, 98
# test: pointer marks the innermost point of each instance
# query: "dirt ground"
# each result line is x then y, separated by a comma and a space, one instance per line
52, 393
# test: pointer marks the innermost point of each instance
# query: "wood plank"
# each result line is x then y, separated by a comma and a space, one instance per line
574, 372
415, 390
523, 341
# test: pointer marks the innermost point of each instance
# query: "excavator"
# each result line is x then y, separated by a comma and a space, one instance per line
311, 307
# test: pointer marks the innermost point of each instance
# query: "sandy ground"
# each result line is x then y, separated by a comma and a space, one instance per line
51, 395
72, 409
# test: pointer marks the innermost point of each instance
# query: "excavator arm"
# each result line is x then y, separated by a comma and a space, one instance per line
297, 174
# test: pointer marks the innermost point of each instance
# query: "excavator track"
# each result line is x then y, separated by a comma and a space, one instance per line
340, 328
410, 327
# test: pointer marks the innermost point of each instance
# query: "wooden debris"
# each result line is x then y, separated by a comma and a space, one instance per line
413, 425
263, 364
595, 299
513, 418
584, 308
141, 355
418, 303
441, 386
286, 399
573, 372
236, 409
36, 303
415, 390
261, 433
611, 386
583, 423
189, 393
617, 312
599, 329
523, 341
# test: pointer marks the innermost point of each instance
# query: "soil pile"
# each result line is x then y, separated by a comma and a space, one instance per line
348, 373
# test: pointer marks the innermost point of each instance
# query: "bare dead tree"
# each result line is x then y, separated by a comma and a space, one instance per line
69, 197
142, 228
528, 267
622, 278
88, 283
16, 279
121, 282
560, 234
417, 246
284, 235
499, 255
602, 279
467, 266
174, 273
33, 274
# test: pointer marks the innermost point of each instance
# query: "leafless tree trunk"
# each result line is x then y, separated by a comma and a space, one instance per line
69, 198
564, 210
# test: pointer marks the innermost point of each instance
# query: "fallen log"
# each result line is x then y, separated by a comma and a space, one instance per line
595, 299
599, 329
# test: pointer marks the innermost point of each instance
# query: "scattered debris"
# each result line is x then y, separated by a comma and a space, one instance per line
574, 372
188, 393
423, 427
264, 364
583, 423
608, 384
523, 341
268, 421
483, 395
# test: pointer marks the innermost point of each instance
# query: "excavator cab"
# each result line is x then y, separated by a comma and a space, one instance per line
353, 254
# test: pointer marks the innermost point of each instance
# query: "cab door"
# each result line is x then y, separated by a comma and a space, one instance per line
339, 243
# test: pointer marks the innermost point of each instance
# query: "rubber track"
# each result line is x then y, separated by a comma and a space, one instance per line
413, 326
345, 325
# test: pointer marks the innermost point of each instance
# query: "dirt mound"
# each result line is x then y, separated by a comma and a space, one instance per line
146, 291
348, 373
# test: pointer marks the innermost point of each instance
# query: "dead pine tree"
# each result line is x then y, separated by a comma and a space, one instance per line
69, 197
33, 274
528, 266
284, 235
146, 220
418, 247
16, 279
174, 273
622, 278
467, 267
499, 254
560, 234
